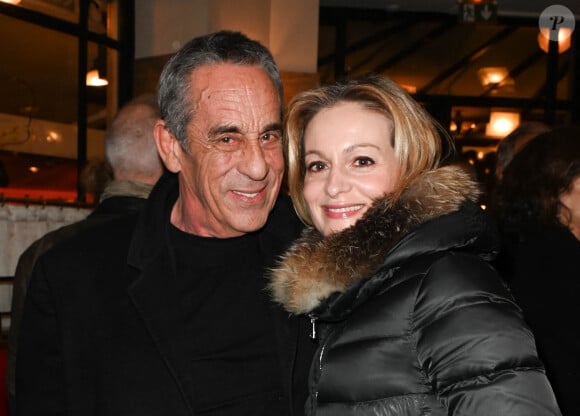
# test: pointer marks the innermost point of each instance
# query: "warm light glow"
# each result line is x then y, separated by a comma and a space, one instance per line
11, 1
564, 39
480, 155
453, 126
501, 124
492, 75
53, 137
411, 89
33, 169
93, 79
495, 76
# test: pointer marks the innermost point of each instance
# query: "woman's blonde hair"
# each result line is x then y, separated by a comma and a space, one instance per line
415, 137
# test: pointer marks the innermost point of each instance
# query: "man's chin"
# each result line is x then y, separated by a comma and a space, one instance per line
248, 223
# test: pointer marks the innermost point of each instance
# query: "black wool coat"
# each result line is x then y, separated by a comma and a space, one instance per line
101, 333
110, 208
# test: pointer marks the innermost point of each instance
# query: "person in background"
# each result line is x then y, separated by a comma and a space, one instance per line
166, 312
507, 148
121, 184
393, 271
539, 212
511, 144
95, 177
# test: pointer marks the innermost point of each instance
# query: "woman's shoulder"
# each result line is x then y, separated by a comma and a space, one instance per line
457, 275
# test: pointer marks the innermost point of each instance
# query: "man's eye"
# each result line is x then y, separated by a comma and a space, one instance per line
270, 136
364, 161
229, 143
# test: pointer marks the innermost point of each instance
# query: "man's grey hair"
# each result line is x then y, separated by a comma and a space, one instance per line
130, 148
174, 87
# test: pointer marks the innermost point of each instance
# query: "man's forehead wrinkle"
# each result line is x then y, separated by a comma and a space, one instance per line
234, 92
230, 100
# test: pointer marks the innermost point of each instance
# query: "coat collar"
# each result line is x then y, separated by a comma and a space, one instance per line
152, 232
316, 267
153, 290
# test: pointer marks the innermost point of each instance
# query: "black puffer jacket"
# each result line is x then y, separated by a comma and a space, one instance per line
411, 318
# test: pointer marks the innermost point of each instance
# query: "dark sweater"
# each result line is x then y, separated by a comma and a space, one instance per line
229, 328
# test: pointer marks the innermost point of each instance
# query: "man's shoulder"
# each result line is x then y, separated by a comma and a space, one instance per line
96, 238
119, 205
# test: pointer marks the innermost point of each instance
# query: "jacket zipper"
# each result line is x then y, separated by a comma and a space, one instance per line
313, 333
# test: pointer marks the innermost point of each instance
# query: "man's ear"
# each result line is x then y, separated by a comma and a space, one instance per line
168, 147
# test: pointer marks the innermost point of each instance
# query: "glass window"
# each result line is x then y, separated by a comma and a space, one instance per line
62, 9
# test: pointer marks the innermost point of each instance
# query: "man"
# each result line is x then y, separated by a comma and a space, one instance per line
132, 160
167, 313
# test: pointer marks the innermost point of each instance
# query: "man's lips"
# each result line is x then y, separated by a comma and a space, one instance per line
250, 195
246, 194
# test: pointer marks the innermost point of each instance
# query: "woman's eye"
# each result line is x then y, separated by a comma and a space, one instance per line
315, 166
364, 161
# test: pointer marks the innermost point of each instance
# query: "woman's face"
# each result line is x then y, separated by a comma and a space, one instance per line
349, 161
571, 200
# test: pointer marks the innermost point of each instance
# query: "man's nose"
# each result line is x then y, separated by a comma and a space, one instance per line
254, 163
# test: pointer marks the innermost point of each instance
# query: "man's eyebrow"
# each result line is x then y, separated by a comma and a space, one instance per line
273, 126
216, 131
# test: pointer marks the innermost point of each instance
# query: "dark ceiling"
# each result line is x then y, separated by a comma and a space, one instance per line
38, 72
417, 43
426, 47
506, 8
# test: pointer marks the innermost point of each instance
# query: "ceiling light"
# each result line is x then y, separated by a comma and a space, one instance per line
11, 1
564, 39
492, 75
501, 123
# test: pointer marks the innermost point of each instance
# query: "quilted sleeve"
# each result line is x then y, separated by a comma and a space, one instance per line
477, 352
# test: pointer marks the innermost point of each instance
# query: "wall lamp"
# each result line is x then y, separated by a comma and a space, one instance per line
94, 79
97, 74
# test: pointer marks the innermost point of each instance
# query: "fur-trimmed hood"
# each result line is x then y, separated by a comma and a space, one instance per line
315, 267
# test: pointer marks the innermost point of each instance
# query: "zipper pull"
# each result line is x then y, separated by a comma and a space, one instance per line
313, 326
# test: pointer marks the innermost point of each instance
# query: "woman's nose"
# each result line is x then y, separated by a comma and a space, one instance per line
337, 182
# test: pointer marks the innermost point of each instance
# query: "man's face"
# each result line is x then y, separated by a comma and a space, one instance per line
233, 167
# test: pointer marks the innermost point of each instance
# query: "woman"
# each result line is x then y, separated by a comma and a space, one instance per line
409, 316
538, 206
